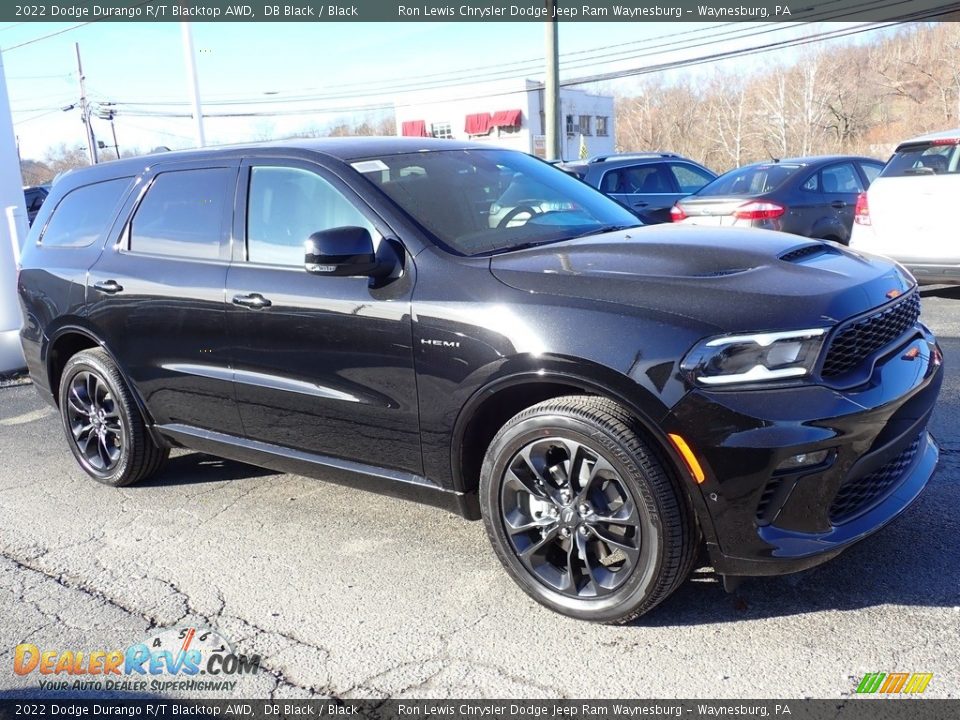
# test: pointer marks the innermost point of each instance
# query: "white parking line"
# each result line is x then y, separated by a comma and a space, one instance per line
27, 417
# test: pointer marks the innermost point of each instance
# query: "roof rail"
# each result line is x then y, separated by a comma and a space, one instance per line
629, 155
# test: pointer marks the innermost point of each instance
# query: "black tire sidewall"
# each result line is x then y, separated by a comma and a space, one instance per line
642, 582
88, 362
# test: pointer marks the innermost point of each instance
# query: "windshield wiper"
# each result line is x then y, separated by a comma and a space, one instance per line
605, 229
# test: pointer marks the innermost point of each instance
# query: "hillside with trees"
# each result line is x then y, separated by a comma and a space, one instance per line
860, 99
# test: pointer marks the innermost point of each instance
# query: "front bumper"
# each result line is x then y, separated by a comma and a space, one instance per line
759, 519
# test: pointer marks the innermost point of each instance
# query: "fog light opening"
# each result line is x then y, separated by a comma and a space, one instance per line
803, 460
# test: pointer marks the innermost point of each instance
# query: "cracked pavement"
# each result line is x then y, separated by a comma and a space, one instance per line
347, 594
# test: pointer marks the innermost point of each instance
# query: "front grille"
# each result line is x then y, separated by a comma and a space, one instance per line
862, 493
855, 342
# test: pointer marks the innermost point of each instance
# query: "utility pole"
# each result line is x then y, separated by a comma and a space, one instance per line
191, 65
551, 95
85, 111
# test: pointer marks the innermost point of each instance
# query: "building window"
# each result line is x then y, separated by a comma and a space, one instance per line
602, 126
585, 124
571, 128
442, 130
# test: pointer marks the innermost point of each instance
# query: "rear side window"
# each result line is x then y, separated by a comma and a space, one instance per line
871, 170
182, 214
840, 179
82, 215
651, 178
923, 159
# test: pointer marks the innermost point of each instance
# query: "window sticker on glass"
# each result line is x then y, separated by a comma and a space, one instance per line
367, 166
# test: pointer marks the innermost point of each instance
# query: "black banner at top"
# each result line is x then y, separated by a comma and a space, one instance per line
479, 11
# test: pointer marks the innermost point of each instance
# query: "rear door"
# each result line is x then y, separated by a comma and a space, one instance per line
648, 189
157, 294
840, 184
323, 364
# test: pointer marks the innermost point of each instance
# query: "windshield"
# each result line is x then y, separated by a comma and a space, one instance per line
476, 202
750, 180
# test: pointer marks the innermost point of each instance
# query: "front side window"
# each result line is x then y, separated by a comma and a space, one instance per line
651, 178
286, 205
82, 215
476, 202
182, 214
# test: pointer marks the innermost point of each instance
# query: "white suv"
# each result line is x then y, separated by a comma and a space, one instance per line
908, 214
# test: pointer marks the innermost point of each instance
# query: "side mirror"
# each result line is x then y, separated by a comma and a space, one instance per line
341, 252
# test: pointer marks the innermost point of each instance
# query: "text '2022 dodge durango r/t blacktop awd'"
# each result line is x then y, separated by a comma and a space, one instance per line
606, 397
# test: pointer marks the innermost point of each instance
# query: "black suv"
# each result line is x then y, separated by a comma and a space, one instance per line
649, 184
607, 398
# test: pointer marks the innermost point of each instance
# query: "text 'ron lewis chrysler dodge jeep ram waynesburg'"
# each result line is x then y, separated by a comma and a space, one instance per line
606, 397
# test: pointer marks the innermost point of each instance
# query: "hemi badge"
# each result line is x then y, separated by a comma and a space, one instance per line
893, 293
911, 354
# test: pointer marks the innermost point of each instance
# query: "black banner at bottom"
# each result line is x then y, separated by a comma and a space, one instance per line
873, 708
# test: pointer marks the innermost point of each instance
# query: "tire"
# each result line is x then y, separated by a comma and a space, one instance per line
618, 543
104, 427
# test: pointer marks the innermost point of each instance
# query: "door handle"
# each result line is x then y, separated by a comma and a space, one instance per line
110, 287
640, 204
838, 204
254, 301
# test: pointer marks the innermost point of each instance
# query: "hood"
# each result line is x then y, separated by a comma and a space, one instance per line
732, 279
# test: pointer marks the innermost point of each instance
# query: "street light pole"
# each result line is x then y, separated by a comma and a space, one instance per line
191, 65
85, 111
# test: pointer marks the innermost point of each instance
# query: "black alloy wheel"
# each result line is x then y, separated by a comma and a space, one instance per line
105, 429
583, 512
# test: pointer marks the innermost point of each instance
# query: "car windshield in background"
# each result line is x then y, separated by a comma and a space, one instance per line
476, 202
751, 180
924, 159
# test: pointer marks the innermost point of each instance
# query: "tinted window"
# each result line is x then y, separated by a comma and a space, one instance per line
812, 184
483, 201
83, 215
750, 180
690, 178
871, 170
639, 179
923, 159
285, 206
840, 179
34, 199
181, 214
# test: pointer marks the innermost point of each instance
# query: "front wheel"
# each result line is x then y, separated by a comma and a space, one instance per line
582, 513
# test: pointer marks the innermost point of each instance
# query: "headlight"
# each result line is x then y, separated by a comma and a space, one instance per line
754, 358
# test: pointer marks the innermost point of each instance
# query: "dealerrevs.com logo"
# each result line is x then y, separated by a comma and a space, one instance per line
195, 658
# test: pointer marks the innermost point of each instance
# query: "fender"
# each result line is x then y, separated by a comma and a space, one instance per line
647, 408
77, 326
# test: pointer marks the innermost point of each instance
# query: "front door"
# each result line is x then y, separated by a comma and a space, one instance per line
322, 364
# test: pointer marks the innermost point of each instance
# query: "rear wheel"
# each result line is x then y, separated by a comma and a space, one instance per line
104, 427
582, 513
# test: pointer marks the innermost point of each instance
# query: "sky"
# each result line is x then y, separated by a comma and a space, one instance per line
340, 68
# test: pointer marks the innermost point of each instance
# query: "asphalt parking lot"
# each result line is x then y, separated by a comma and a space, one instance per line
352, 595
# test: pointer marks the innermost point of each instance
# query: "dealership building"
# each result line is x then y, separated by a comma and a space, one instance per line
510, 114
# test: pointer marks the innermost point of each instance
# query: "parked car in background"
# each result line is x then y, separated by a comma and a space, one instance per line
33, 197
814, 196
647, 183
907, 214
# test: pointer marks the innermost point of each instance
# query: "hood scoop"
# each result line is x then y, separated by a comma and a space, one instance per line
805, 252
